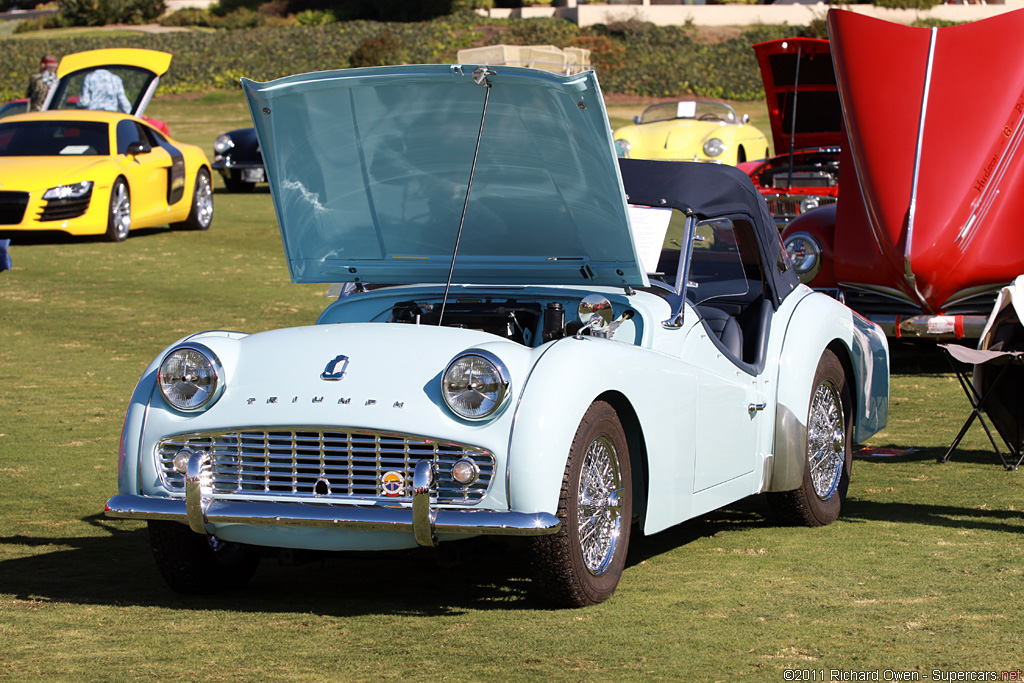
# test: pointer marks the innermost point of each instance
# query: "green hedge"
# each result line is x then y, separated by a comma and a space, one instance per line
632, 57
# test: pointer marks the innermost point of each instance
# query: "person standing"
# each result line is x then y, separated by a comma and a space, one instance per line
104, 91
39, 84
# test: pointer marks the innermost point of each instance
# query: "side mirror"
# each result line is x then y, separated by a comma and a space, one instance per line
135, 148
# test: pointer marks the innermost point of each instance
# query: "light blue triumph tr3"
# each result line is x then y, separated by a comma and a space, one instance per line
532, 339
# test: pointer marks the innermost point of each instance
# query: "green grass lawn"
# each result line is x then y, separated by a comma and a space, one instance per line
923, 571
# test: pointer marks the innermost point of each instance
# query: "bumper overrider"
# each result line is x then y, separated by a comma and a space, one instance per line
199, 509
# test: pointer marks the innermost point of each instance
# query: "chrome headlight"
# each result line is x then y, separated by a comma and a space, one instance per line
73, 191
223, 143
622, 148
714, 147
475, 384
190, 377
809, 202
805, 253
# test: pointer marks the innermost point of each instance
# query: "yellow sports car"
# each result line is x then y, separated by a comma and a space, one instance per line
89, 165
691, 131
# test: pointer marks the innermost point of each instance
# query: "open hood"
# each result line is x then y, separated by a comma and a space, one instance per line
810, 92
373, 171
138, 71
934, 188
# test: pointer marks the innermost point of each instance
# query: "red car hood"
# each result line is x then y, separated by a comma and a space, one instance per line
813, 92
933, 187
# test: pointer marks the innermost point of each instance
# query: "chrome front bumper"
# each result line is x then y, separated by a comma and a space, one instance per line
199, 509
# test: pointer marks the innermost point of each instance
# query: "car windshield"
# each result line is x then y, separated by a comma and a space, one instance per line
112, 88
53, 138
701, 111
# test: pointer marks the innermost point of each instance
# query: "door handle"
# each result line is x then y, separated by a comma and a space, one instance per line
756, 407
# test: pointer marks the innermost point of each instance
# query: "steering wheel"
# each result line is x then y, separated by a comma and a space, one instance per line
710, 117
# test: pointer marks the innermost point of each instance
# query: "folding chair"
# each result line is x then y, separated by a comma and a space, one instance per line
1009, 419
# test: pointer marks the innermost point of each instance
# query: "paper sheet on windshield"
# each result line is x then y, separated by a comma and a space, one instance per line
649, 228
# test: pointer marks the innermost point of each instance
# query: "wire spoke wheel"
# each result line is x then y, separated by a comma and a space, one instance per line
826, 440
829, 455
581, 564
599, 508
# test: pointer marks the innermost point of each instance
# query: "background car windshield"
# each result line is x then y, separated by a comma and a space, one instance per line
54, 138
69, 90
702, 111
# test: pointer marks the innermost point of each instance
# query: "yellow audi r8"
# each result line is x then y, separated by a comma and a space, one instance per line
691, 131
101, 170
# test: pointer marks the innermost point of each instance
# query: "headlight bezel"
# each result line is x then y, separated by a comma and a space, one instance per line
805, 254
213, 393
77, 190
623, 148
496, 403
714, 147
223, 144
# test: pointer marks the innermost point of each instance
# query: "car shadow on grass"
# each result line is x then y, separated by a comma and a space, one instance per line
951, 516
115, 567
51, 237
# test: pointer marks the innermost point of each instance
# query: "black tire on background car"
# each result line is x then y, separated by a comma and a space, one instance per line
201, 215
581, 563
829, 457
119, 213
195, 564
234, 183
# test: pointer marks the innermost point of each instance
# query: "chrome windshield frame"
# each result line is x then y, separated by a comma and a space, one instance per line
675, 322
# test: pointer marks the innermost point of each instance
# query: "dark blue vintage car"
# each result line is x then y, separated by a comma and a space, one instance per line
238, 159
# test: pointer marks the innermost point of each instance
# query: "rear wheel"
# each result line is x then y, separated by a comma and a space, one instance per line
119, 215
829, 456
581, 564
195, 564
201, 215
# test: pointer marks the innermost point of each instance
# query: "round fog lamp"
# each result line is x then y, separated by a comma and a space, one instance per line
465, 472
181, 459
808, 203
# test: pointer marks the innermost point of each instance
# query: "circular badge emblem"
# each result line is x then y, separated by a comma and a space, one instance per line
392, 484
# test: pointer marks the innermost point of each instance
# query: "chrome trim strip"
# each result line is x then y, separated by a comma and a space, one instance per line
908, 272
357, 517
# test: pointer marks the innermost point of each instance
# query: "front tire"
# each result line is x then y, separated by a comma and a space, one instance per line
581, 564
829, 457
119, 215
201, 215
195, 564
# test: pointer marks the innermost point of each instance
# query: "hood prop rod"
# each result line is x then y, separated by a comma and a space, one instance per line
480, 78
792, 124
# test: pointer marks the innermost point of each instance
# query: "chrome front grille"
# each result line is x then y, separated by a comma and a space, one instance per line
323, 465
788, 205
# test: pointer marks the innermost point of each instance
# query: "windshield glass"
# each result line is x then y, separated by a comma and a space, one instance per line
112, 88
701, 111
53, 138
